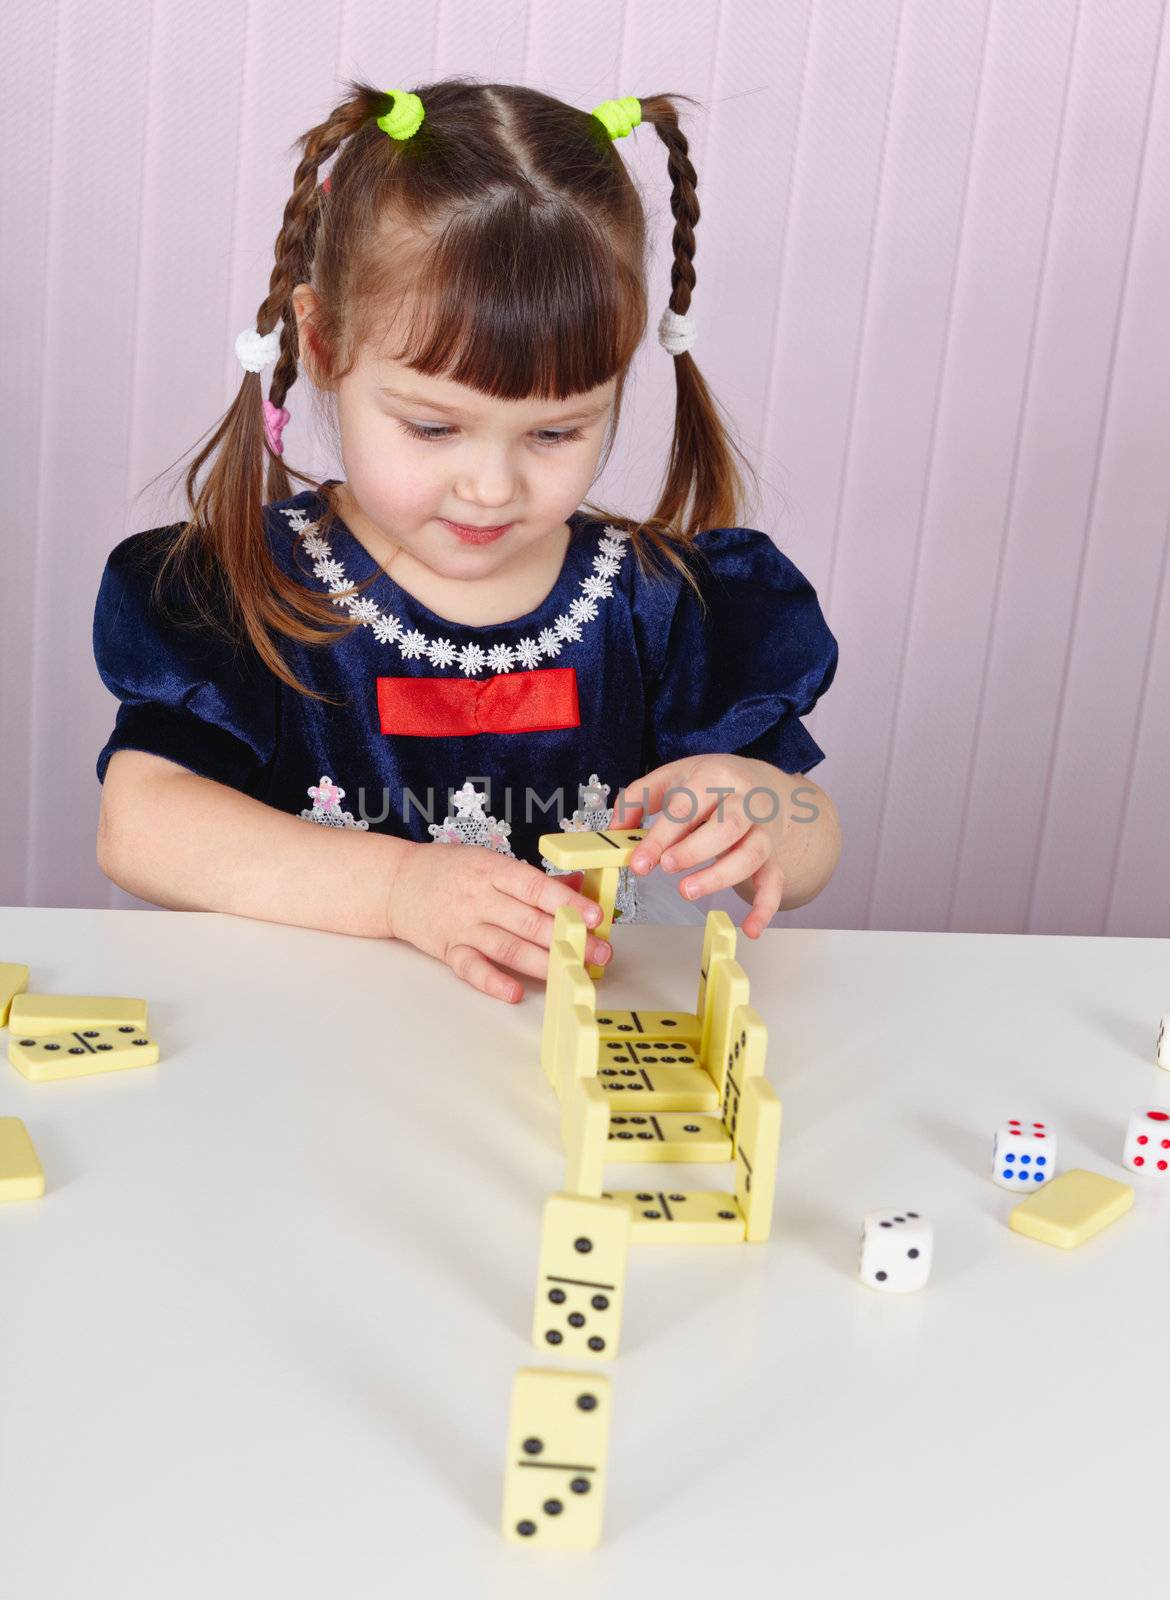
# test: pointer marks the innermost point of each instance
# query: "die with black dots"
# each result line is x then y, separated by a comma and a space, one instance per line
897, 1248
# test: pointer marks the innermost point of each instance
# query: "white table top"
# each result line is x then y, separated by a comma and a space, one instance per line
258, 1337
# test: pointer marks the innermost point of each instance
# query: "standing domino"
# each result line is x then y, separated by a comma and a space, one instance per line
21, 1175
897, 1248
1025, 1155
558, 1441
13, 981
580, 1286
1147, 1140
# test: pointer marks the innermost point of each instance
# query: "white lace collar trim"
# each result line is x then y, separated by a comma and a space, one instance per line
471, 659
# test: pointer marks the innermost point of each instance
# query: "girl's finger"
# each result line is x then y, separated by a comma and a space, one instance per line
741, 862
474, 968
538, 889
688, 835
769, 886
706, 841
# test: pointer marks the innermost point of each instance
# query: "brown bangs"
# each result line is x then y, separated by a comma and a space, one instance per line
517, 306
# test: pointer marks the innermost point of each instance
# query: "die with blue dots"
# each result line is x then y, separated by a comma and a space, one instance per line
1024, 1157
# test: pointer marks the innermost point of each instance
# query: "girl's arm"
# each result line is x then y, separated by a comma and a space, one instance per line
190, 844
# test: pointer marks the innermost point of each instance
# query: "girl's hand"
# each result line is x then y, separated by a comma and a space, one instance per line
744, 849
473, 907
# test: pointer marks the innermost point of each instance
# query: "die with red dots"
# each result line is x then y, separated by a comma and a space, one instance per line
1024, 1155
897, 1248
1147, 1141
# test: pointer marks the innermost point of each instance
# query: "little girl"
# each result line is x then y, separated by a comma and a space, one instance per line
309, 681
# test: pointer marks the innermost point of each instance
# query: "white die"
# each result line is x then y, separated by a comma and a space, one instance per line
1162, 1048
896, 1251
1147, 1141
1024, 1156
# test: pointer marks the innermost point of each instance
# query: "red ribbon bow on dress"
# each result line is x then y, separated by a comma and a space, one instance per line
514, 702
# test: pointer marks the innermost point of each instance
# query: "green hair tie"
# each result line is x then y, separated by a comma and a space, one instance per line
404, 117
619, 116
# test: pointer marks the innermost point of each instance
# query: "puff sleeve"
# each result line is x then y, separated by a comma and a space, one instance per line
738, 680
187, 694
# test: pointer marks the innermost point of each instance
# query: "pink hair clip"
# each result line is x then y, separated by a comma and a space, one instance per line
275, 418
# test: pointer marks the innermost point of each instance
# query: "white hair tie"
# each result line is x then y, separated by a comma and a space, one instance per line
257, 351
676, 332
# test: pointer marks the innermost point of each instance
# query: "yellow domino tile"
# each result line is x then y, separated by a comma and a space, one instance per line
600, 884
728, 989
84, 1051
1071, 1208
643, 1088
569, 925
756, 1155
593, 849
746, 1058
35, 1014
718, 945
666, 1136
679, 1027
21, 1175
13, 981
654, 1076
581, 1279
584, 1135
563, 989
555, 1468
704, 1216
576, 1045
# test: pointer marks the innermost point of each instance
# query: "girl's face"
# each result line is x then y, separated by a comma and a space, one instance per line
419, 451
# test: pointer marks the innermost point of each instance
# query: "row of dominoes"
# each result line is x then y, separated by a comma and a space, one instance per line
644, 1086
643, 1097
60, 1036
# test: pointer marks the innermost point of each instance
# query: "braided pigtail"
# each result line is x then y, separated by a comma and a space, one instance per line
705, 477
224, 545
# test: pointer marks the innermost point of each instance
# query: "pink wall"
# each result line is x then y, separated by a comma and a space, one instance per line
932, 295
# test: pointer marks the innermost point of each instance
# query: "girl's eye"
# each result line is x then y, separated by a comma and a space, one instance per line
552, 437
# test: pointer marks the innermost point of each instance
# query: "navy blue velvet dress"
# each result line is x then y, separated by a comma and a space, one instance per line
494, 734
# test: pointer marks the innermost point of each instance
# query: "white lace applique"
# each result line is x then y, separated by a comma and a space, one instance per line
470, 825
594, 815
472, 659
327, 798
